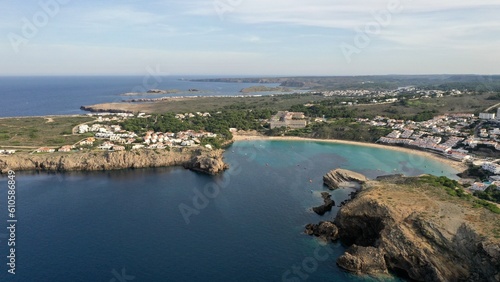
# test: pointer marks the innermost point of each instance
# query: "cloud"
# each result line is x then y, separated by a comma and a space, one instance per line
123, 15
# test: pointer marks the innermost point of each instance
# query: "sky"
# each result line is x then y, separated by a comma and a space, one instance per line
249, 37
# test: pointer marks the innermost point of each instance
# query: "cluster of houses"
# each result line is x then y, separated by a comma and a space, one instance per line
160, 140
481, 186
151, 140
416, 92
191, 115
429, 134
114, 138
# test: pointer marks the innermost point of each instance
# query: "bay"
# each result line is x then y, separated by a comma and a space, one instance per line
98, 226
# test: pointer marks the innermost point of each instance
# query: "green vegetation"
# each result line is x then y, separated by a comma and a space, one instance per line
454, 189
490, 194
218, 123
328, 109
425, 115
477, 173
331, 107
342, 129
35, 132
386, 82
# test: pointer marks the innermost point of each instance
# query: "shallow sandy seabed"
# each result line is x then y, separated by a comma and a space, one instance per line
455, 164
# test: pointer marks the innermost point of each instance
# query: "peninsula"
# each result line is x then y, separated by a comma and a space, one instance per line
422, 228
210, 162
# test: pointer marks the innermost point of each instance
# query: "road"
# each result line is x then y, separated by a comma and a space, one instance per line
492, 107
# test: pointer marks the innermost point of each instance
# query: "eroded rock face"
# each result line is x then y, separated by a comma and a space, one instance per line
211, 163
336, 177
383, 240
420, 232
363, 260
327, 206
325, 230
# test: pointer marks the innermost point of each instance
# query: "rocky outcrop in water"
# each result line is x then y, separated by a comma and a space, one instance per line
327, 206
417, 231
200, 160
326, 230
336, 177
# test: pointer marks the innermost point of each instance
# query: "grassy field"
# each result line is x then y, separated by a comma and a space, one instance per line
209, 104
453, 104
33, 132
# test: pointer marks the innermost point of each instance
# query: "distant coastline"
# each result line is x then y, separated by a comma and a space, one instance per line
455, 164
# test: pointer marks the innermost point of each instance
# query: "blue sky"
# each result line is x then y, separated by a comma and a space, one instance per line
249, 37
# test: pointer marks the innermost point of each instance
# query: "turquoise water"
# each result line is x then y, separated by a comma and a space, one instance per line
99, 226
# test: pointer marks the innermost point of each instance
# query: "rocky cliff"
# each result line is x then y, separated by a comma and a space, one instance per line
210, 163
200, 160
337, 177
419, 232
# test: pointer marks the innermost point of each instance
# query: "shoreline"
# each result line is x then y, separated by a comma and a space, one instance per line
210, 162
454, 164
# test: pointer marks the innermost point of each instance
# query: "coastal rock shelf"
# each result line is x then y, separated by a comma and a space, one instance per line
335, 178
210, 162
416, 230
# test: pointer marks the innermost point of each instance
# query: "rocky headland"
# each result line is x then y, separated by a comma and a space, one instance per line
416, 230
210, 162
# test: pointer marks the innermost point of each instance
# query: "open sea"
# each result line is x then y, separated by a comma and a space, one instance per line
36, 96
171, 224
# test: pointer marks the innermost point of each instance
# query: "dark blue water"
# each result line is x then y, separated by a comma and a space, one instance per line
35, 96
92, 226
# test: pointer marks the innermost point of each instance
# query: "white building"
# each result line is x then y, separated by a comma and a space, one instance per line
491, 167
478, 186
486, 116
83, 129
7, 152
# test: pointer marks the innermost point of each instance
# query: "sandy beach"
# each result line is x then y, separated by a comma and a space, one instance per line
455, 164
